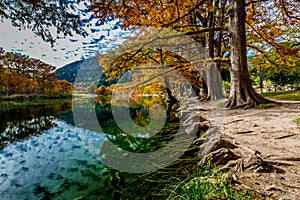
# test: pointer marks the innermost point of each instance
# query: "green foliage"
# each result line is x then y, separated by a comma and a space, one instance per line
254, 75
225, 74
284, 76
204, 185
289, 95
282, 70
266, 105
297, 121
69, 71
226, 85
22, 101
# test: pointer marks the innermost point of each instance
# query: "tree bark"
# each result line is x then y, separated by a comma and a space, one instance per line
242, 94
211, 75
213, 81
169, 98
261, 79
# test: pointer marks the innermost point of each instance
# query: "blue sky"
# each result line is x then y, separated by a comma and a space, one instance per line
66, 50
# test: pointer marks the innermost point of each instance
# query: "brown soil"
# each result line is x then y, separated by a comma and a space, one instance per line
260, 148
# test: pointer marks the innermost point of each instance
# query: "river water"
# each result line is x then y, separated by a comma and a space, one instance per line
44, 156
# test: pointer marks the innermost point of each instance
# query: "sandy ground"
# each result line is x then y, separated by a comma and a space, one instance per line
271, 134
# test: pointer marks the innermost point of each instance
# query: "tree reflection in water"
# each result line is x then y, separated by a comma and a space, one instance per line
20, 124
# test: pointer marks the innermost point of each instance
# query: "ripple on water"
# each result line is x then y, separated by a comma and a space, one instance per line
51, 165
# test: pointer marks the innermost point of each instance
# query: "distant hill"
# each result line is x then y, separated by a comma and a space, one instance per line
69, 71
85, 72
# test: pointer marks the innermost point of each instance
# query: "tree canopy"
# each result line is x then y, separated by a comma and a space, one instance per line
20, 74
47, 19
208, 22
271, 28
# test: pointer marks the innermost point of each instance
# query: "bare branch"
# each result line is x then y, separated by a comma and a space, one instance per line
263, 37
205, 30
286, 11
263, 53
294, 45
253, 2
201, 18
183, 16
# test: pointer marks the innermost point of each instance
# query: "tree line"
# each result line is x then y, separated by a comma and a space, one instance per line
20, 74
227, 29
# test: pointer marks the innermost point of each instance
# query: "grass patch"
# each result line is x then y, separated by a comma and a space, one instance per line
204, 185
23, 97
266, 105
297, 121
283, 95
17, 103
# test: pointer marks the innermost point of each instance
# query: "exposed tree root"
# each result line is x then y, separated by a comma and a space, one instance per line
239, 161
222, 155
273, 174
252, 100
219, 157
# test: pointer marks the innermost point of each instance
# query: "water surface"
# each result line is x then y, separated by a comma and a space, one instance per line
44, 156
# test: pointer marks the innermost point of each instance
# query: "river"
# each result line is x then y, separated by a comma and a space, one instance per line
43, 155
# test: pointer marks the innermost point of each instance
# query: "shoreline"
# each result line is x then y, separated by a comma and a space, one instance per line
22, 97
20, 101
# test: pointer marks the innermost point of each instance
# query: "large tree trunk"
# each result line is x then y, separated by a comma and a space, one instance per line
211, 75
213, 81
242, 93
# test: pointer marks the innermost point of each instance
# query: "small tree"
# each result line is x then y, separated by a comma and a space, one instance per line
101, 90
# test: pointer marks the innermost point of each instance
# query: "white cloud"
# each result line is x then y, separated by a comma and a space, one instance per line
66, 50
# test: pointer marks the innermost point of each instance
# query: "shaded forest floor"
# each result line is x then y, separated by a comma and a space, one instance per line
260, 149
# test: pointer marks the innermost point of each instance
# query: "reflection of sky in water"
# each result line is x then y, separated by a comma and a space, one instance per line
54, 163
101, 39
58, 162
